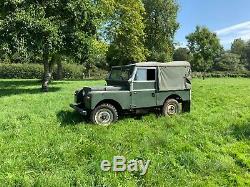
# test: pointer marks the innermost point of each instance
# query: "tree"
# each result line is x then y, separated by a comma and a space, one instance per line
247, 55
204, 47
182, 54
229, 62
48, 29
161, 26
27, 26
238, 47
125, 33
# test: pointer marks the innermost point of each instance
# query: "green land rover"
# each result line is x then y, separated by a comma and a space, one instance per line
137, 88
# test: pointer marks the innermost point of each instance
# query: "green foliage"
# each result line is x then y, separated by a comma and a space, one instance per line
21, 71
47, 30
71, 71
161, 26
48, 27
247, 55
29, 27
229, 62
97, 54
238, 47
204, 47
35, 71
125, 32
221, 74
182, 54
45, 143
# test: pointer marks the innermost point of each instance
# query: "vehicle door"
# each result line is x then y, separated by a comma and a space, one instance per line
144, 88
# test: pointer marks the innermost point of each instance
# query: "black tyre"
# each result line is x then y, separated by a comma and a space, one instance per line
171, 107
104, 115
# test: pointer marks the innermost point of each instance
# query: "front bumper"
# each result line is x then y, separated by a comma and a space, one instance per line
78, 109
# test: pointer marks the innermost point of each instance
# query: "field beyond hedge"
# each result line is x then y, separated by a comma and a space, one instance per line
44, 143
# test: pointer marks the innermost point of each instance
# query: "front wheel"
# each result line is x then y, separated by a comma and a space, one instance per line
171, 107
104, 115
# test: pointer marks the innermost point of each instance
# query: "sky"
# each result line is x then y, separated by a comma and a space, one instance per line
230, 19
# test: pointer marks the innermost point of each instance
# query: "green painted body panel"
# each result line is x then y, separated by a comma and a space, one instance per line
124, 98
143, 99
136, 98
144, 94
144, 85
185, 95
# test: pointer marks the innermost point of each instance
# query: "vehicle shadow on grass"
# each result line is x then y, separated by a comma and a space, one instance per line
241, 132
68, 118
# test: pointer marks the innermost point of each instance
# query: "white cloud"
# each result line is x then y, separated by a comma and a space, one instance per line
227, 35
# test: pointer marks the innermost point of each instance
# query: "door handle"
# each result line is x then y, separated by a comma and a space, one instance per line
153, 94
135, 92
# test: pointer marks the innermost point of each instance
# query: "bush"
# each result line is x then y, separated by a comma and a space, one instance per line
21, 71
70, 71
35, 71
96, 73
219, 74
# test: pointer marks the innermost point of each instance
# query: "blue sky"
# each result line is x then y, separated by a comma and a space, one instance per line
230, 19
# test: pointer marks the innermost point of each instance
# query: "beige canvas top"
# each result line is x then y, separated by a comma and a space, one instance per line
168, 64
158, 64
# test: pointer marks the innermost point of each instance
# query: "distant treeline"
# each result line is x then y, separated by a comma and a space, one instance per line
35, 71
103, 33
206, 54
76, 72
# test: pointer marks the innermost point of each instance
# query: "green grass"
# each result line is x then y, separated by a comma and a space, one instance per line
44, 143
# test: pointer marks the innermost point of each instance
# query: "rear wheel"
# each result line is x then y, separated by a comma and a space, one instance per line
104, 115
171, 107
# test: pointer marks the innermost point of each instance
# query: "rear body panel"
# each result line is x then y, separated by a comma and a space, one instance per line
185, 95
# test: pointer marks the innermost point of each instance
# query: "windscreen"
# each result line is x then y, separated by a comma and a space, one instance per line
121, 74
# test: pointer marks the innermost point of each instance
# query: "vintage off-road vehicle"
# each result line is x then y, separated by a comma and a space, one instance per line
137, 88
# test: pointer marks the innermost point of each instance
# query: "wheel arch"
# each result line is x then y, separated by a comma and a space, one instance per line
176, 97
112, 102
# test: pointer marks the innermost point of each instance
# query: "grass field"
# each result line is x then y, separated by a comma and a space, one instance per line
44, 143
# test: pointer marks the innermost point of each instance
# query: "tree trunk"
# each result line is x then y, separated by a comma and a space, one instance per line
59, 70
47, 73
88, 69
204, 75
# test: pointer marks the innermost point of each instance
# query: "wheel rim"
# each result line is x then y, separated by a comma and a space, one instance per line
171, 109
104, 117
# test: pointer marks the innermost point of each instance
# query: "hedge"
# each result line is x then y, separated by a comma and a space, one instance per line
21, 71
220, 74
76, 72
35, 71
70, 71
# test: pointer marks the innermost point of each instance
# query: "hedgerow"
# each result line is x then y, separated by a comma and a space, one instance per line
35, 71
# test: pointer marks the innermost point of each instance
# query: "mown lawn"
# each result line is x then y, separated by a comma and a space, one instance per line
44, 143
